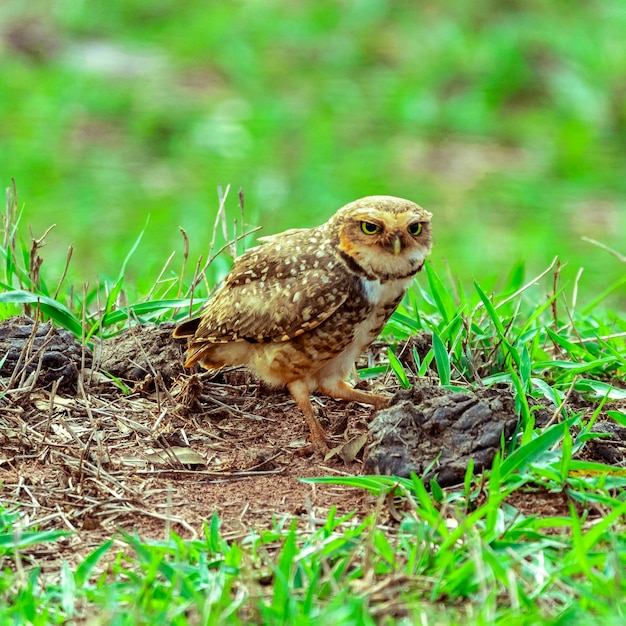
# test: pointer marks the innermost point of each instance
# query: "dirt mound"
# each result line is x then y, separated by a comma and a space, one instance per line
143, 352
37, 354
435, 433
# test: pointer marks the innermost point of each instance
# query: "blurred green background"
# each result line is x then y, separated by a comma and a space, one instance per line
506, 119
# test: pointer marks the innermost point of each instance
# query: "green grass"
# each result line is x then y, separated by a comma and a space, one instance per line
109, 306
506, 121
461, 555
458, 557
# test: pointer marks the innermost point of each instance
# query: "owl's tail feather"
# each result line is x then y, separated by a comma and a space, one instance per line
187, 329
203, 354
212, 356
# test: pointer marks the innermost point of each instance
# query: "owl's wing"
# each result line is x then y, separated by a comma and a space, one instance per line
285, 234
271, 299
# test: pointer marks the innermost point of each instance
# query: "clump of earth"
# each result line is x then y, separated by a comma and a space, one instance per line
435, 433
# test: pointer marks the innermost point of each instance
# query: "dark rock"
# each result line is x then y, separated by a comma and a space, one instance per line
611, 448
26, 345
429, 425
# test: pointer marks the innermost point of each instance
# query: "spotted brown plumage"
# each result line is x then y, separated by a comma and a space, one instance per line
299, 308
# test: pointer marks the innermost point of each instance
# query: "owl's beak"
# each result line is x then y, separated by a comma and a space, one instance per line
394, 244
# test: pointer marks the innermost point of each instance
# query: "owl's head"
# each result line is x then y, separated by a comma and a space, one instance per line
387, 237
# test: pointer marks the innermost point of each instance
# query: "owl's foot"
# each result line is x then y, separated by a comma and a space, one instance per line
342, 391
302, 395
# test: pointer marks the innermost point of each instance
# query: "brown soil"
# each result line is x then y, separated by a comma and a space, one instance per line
155, 449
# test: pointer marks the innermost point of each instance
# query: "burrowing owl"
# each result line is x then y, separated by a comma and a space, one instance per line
299, 309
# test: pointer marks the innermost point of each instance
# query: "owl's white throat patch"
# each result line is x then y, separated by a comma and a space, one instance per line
373, 290
381, 292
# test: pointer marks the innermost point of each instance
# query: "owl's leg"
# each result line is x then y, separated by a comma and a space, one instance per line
343, 391
302, 395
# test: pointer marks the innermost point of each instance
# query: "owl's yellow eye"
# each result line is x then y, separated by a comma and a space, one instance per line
369, 228
415, 228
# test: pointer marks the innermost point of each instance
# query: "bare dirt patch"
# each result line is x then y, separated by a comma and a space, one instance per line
148, 448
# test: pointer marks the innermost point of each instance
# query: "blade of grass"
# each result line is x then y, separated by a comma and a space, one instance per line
442, 360
52, 308
117, 287
441, 295
533, 450
86, 567
398, 369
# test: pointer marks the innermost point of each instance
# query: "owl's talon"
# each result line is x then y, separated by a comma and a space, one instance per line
319, 437
315, 447
382, 402
308, 450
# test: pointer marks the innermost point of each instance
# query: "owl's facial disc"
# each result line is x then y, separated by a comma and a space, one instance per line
394, 233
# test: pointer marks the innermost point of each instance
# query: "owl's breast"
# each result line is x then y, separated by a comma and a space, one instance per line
382, 297
357, 324
328, 351
359, 320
